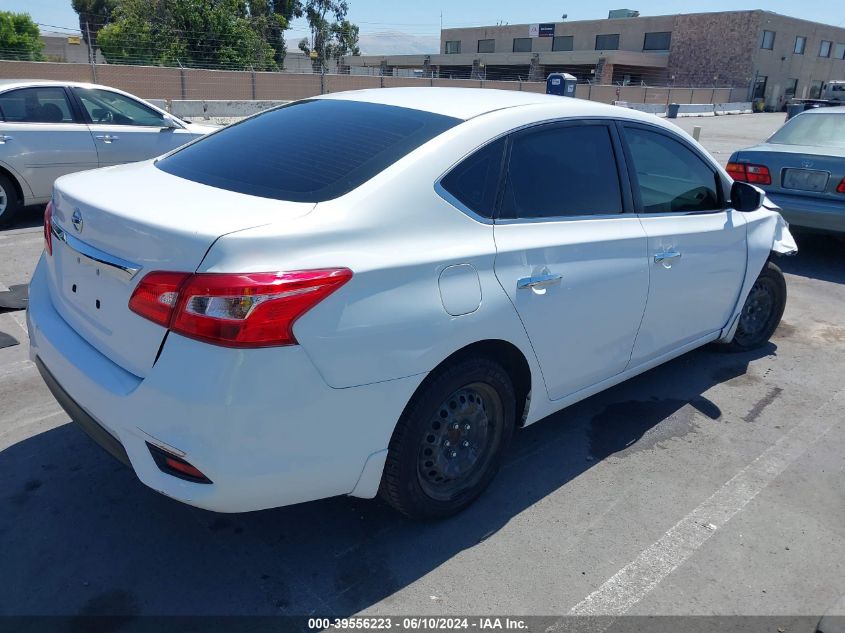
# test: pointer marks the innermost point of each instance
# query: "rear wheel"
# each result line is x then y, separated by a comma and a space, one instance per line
10, 205
448, 445
762, 311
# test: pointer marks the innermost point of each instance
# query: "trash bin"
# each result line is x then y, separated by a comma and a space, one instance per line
561, 84
792, 109
673, 110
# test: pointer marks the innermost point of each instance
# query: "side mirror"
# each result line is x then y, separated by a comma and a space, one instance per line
170, 123
745, 197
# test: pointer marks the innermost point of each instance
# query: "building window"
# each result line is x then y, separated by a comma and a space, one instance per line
824, 48
800, 45
657, 41
791, 88
815, 89
768, 40
522, 45
453, 48
563, 43
839, 51
607, 42
760, 87
486, 46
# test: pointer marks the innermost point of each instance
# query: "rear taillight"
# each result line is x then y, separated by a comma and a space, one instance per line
235, 310
841, 187
757, 174
156, 296
48, 228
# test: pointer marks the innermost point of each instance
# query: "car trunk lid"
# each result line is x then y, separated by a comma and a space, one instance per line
799, 169
113, 226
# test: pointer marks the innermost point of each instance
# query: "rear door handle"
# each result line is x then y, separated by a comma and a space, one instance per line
665, 256
107, 138
538, 281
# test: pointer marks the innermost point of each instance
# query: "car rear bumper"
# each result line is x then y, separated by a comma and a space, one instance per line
813, 213
261, 424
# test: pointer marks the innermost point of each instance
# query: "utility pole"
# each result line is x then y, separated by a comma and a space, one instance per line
91, 55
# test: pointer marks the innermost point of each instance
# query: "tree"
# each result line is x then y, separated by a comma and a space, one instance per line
329, 39
19, 37
207, 34
93, 15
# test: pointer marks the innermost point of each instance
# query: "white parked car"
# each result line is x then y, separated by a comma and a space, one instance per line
369, 291
49, 129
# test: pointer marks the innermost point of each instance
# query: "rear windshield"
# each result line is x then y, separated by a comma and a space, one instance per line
307, 151
823, 130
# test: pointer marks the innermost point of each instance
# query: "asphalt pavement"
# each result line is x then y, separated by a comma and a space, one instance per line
712, 485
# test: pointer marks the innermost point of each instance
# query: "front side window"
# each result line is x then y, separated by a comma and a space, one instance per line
308, 151
475, 181
607, 42
35, 105
486, 46
657, 41
522, 45
105, 106
671, 177
824, 48
768, 41
800, 45
453, 47
559, 171
563, 43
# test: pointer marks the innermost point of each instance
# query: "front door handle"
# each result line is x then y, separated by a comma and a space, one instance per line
665, 257
538, 281
4, 139
107, 138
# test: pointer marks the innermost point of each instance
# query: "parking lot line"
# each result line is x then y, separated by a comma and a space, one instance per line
634, 581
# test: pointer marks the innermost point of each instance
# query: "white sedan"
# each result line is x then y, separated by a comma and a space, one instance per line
370, 291
49, 129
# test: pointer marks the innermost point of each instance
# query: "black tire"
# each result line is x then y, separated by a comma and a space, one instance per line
762, 311
10, 204
439, 464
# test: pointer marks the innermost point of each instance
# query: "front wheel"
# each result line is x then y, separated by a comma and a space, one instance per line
762, 311
448, 444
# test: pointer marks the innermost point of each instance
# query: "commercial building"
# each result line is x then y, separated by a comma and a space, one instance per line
774, 56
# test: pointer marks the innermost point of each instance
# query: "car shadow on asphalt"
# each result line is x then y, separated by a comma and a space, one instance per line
29, 217
82, 536
819, 257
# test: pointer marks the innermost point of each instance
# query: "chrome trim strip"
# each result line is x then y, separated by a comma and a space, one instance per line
95, 254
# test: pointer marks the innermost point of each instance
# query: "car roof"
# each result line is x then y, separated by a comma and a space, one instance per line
467, 103
24, 83
828, 110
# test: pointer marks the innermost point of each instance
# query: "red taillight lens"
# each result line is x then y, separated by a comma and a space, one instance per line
841, 187
235, 310
48, 228
757, 174
156, 296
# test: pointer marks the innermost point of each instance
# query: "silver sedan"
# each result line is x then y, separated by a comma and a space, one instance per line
802, 169
49, 129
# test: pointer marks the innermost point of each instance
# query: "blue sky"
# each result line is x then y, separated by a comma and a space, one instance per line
420, 21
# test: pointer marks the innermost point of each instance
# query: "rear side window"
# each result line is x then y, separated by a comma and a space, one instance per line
671, 177
36, 105
309, 151
475, 181
557, 171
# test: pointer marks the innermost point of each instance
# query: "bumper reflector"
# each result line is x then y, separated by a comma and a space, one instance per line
176, 466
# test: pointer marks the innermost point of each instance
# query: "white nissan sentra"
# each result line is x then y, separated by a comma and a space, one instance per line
367, 292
